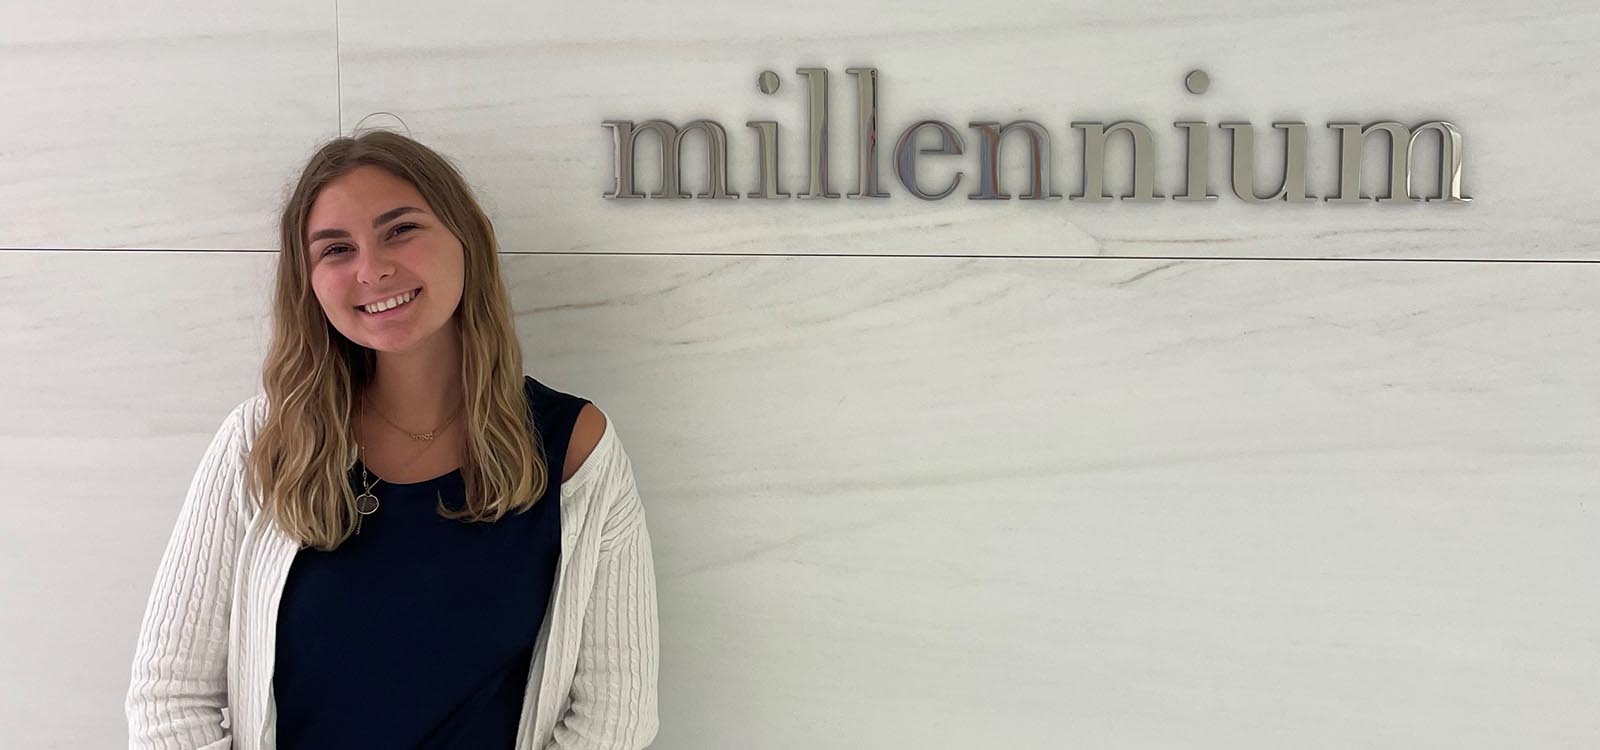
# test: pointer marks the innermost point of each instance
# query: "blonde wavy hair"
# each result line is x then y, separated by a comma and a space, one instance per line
299, 461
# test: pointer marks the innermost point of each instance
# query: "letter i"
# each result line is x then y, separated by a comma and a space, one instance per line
767, 130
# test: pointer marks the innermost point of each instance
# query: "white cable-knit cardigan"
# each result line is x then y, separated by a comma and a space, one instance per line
202, 670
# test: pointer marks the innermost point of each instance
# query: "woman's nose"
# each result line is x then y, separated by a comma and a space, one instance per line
372, 266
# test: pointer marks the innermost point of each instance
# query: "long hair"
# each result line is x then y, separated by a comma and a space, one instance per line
300, 460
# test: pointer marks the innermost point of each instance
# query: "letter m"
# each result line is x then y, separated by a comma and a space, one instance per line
624, 136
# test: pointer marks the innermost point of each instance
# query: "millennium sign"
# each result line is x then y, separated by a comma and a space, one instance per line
1353, 136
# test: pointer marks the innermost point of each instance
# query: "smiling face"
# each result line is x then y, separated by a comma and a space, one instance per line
371, 238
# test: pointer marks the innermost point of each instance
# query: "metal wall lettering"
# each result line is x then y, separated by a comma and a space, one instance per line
1094, 161
905, 159
624, 137
1354, 140
1039, 186
867, 126
768, 178
1096, 139
817, 111
1294, 162
1197, 166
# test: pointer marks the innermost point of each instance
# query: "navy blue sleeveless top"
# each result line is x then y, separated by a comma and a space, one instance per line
419, 631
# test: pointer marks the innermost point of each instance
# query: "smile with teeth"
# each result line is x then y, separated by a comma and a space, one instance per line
391, 303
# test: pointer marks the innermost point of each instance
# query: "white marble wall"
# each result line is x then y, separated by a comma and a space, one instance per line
1201, 476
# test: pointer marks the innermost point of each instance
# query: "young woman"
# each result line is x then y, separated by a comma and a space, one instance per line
404, 542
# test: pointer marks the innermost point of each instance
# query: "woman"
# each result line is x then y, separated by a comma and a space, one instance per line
377, 551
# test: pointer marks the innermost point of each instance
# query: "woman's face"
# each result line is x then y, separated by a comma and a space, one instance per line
372, 237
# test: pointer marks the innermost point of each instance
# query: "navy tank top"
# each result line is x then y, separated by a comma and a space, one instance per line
419, 631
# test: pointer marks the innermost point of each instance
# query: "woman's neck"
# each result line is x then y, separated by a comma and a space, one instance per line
421, 388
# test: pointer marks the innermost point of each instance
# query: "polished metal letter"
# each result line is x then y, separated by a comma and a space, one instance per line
905, 160
1039, 160
817, 114
624, 136
768, 133
1094, 161
866, 133
1198, 164
1293, 188
1353, 141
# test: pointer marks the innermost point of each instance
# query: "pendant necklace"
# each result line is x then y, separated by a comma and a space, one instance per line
367, 502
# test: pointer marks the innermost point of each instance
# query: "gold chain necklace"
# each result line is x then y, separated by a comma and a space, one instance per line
414, 435
367, 502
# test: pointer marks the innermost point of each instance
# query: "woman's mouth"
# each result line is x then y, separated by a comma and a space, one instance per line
392, 307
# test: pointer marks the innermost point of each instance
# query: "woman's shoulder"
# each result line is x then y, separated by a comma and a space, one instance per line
586, 434
248, 416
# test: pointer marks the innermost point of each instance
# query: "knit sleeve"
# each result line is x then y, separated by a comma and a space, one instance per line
179, 684
613, 697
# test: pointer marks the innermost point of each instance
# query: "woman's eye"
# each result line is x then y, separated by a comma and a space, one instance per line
329, 250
